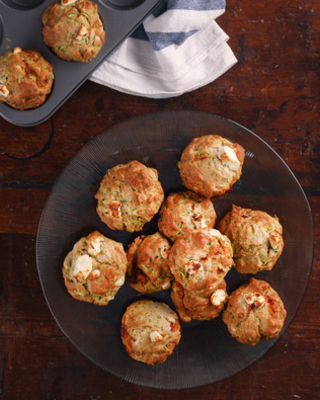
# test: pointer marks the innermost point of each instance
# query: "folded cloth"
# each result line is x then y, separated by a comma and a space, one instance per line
178, 48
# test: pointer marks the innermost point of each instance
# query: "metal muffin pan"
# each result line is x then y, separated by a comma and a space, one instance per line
21, 25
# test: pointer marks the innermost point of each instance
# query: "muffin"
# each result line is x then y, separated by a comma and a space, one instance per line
26, 78
190, 306
148, 269
256, 239
95, 269
254, 312
150, 331
73, 30
210, 165
200, 260
185, 211
129, 196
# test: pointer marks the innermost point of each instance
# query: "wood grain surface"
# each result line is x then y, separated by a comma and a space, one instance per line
274, 90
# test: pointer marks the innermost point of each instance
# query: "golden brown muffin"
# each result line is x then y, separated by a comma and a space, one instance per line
150, 331
256, 239
95, 269
190, 306
73, 30
200, 260
210, 165
254, 312
129, 196
183, 212
25, 78
148, 269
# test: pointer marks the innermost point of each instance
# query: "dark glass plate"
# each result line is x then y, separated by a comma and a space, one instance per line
206, 353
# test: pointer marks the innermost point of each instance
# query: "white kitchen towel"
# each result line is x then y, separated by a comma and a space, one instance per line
178, 48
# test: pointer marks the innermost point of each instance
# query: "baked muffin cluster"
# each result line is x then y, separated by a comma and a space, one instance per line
199, 262
74, 31
188, 255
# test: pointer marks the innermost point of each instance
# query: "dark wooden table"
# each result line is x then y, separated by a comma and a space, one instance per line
274, 91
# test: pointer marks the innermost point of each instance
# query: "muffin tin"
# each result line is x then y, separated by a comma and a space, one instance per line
21, 25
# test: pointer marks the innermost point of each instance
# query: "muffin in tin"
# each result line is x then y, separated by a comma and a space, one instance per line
95, 269
129, 196
148, 269
185, 211
256, 239
254, 312
73, 29
150, 331
200, 260
210, 165
26, 78
190, 306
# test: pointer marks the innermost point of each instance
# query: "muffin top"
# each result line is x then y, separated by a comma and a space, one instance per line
256, 239
185, 211
190, 306
26, 78
254, 312
129, 196
210, 165
95, 269
200, 260
73, 29
150, 331
148, 269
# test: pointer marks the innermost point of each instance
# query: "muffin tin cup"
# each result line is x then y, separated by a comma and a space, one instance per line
21, 25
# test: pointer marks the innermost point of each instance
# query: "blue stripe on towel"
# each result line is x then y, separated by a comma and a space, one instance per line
196, 5
161, 40
160, 9
140, 33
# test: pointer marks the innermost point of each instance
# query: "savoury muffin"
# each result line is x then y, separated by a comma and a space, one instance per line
185, 211
150, 331
73, 29
95, 269
148, 269
200, 260
129, 196
254, 312
210, 165
190, 306
256, 239
25, 78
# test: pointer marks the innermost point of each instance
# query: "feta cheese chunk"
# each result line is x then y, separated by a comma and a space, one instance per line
198, 220
94, 247
82, 33
229, 158
155, 337
215, 232
67, 2
4, 91
255, 299
119, 282
17, 50
218, 297
194, 267
95, 274
275, 239
164, 251
82, 267
166, 286
114, 209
